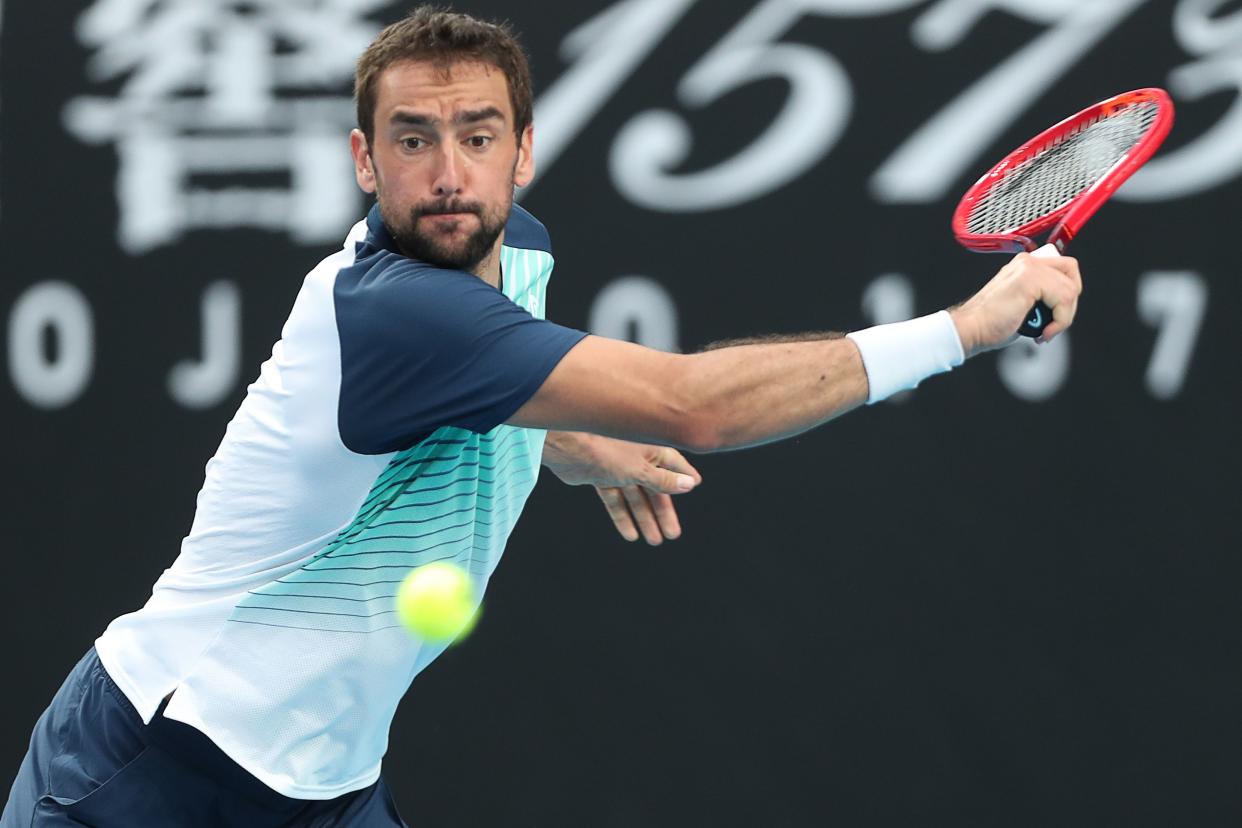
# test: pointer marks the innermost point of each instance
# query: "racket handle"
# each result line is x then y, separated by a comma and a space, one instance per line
1041, 314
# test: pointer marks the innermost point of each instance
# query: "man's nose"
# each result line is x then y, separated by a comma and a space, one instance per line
448, 180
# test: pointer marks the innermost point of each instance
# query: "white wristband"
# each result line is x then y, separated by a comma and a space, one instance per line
901, 355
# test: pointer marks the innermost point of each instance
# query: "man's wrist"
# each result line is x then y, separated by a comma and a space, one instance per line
899, 356
965, 330
566, 445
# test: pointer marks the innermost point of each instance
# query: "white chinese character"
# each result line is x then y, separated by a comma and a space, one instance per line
225, 113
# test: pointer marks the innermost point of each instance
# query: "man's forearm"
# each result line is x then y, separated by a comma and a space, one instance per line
747, 395
770, 391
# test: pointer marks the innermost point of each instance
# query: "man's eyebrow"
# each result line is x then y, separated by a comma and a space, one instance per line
413, 119
473, 116
469, 116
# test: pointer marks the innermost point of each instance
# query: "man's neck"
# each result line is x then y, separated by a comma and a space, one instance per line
489, 269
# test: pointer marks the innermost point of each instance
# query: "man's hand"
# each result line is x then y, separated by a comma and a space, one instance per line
635, 481
990, 319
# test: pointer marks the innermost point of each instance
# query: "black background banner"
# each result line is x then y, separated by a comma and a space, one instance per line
1008, 598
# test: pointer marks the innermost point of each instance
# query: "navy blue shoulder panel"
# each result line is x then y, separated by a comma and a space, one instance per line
527, 232
423, 347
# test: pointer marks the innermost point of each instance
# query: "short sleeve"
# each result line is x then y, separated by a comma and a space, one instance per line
423, 348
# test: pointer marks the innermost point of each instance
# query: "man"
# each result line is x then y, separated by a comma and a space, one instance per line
400, 421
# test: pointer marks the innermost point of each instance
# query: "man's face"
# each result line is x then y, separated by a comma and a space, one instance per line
444, 161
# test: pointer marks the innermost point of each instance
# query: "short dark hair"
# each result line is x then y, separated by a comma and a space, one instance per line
444, 37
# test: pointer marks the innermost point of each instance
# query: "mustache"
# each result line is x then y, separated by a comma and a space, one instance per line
438, 208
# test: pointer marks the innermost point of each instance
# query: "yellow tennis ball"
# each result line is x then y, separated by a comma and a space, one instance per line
436, 602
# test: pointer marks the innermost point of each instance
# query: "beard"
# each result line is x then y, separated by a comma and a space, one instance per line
441, 245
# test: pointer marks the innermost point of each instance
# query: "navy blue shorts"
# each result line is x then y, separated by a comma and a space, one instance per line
93, 762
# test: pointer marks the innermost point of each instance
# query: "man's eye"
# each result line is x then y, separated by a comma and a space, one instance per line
412, 143
479, 141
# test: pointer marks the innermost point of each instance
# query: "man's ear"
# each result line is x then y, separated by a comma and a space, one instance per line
524, 172
364, 171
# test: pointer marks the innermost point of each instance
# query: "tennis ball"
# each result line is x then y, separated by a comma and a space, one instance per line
436, 602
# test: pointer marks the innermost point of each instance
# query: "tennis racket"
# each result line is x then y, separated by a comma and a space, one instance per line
1059, 179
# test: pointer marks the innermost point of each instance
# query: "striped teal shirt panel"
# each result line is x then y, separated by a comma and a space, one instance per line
455, 496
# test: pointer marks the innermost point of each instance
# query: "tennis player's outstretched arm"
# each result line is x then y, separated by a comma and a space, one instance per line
749, 394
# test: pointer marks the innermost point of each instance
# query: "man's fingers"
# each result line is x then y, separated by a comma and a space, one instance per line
1062, 317
666, 514
1058, 283
672, 459
1062, 297
669, 472
1049, 332
615, 503
991, 318
668, 482
637, 513
644, 515
1066, 264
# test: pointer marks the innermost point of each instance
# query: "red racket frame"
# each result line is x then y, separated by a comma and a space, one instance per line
1069, 218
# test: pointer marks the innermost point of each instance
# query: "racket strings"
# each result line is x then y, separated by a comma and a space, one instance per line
1060, 171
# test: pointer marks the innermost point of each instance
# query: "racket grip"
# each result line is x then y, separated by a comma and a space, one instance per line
1041, 314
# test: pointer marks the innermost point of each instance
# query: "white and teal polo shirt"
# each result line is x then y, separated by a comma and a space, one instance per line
372, 443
